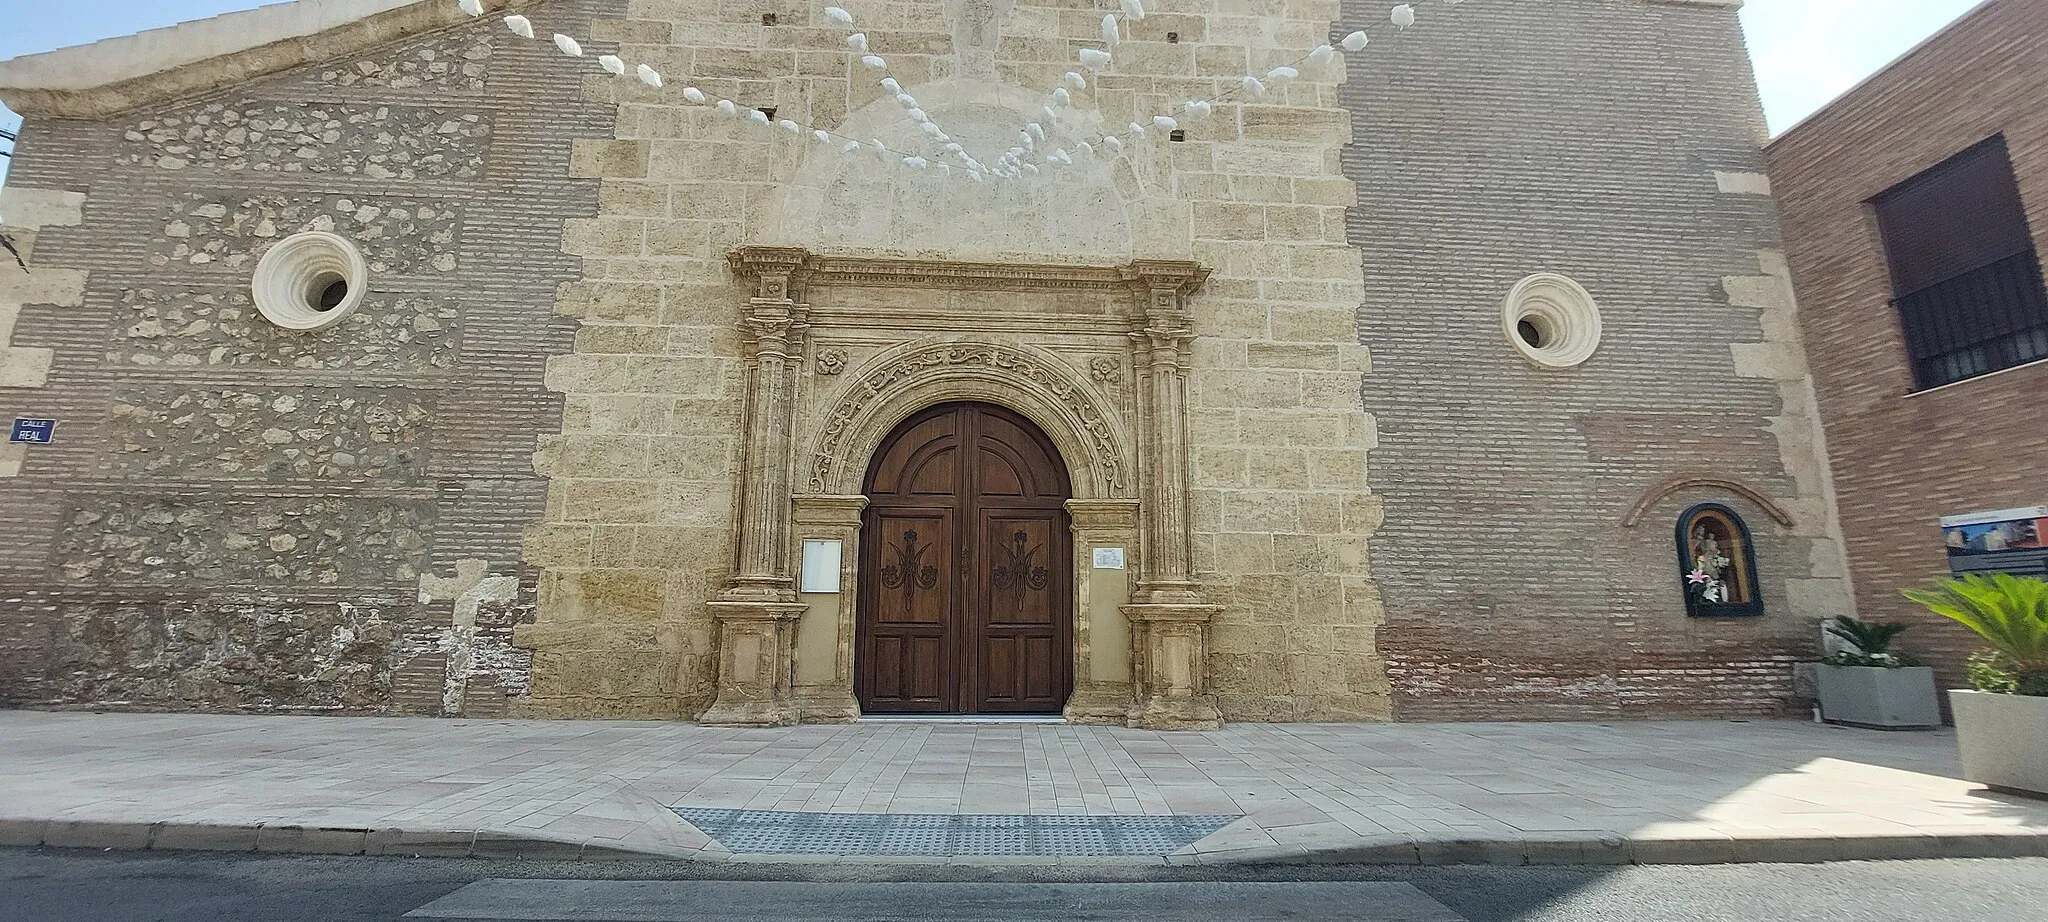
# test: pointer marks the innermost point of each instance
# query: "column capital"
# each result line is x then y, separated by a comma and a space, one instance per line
778, 272
1162, 287
1178, 277
1103, 514
829, 509
773, 328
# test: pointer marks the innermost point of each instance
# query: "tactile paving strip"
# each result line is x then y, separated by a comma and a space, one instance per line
778, 832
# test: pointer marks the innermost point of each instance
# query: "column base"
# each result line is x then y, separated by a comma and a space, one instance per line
826, 705
1170, 665
1100, 704
755, 647
1162, 712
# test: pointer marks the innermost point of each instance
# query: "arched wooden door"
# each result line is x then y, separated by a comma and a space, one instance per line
966, 565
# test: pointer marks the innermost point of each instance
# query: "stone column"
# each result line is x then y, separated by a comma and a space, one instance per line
758, 611
825, 636
1168, 614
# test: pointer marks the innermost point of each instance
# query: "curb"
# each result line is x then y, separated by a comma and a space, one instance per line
1591, 849
302, 840
1617, 849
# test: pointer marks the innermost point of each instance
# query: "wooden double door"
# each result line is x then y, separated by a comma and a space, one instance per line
966, 595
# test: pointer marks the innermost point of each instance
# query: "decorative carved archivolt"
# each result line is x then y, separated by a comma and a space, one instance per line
908, 369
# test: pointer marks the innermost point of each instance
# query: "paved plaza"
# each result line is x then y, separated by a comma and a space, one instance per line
1655, 792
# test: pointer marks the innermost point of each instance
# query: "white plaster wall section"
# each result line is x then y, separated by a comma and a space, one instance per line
24, 207
1742, 183
836, 203
1781, 357
470, 587
23, 212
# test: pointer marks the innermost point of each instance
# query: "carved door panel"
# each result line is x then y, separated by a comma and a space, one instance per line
966, 601
1023, 609
907, 639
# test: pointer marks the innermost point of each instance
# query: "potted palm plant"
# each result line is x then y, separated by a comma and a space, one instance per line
1866, 684
2002, 724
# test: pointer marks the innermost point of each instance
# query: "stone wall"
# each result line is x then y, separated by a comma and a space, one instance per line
239, 517
639, 530
1616, 143
1902, 459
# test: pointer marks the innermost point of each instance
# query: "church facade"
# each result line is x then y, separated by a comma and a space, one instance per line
401, 363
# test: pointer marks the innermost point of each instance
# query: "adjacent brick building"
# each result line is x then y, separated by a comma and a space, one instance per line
1913, 207
1413, 384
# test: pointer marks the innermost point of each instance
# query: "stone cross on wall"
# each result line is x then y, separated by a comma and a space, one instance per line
977, 28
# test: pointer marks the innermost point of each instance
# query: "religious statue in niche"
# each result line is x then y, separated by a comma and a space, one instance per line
1717, 563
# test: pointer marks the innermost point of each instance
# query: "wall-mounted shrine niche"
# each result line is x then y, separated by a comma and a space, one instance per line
1717, 564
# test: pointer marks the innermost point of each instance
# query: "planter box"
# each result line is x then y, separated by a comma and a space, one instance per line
2004, 739
1885, 699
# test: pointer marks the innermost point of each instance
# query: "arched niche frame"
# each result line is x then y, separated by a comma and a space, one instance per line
1717, 563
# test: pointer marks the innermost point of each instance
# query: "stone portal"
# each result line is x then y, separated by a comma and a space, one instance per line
1074, 380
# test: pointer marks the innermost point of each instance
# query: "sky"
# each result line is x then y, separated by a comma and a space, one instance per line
1807, 52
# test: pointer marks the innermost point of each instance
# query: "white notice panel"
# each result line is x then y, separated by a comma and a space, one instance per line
1109, 558
821, 566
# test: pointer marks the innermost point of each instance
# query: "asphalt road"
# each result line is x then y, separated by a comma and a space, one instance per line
59, 886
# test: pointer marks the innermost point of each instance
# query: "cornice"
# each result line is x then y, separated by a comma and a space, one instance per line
1179, 276
119, 74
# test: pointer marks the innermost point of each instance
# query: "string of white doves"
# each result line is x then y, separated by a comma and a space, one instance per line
1036, 151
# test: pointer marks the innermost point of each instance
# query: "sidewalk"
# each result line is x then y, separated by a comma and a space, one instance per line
1007, 793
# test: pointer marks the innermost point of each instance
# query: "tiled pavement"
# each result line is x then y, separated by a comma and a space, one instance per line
1395, 793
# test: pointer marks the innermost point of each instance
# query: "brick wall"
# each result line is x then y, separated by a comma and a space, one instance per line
1616, 143
1903, 460
236, 517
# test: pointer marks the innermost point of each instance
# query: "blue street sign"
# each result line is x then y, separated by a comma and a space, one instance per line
33, 430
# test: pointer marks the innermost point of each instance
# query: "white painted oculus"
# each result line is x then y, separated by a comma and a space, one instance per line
310, 281
1552, 320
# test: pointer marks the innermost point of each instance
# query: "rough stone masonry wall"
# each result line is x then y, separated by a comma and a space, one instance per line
1901, 462
639, 529
1616, 142
237, 517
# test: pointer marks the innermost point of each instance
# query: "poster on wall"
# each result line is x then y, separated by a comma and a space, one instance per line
2004, 539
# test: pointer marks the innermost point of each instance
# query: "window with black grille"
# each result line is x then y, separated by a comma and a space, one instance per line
1965, 278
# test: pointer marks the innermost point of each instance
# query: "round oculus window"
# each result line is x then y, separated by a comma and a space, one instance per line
310, 281
1551, 320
